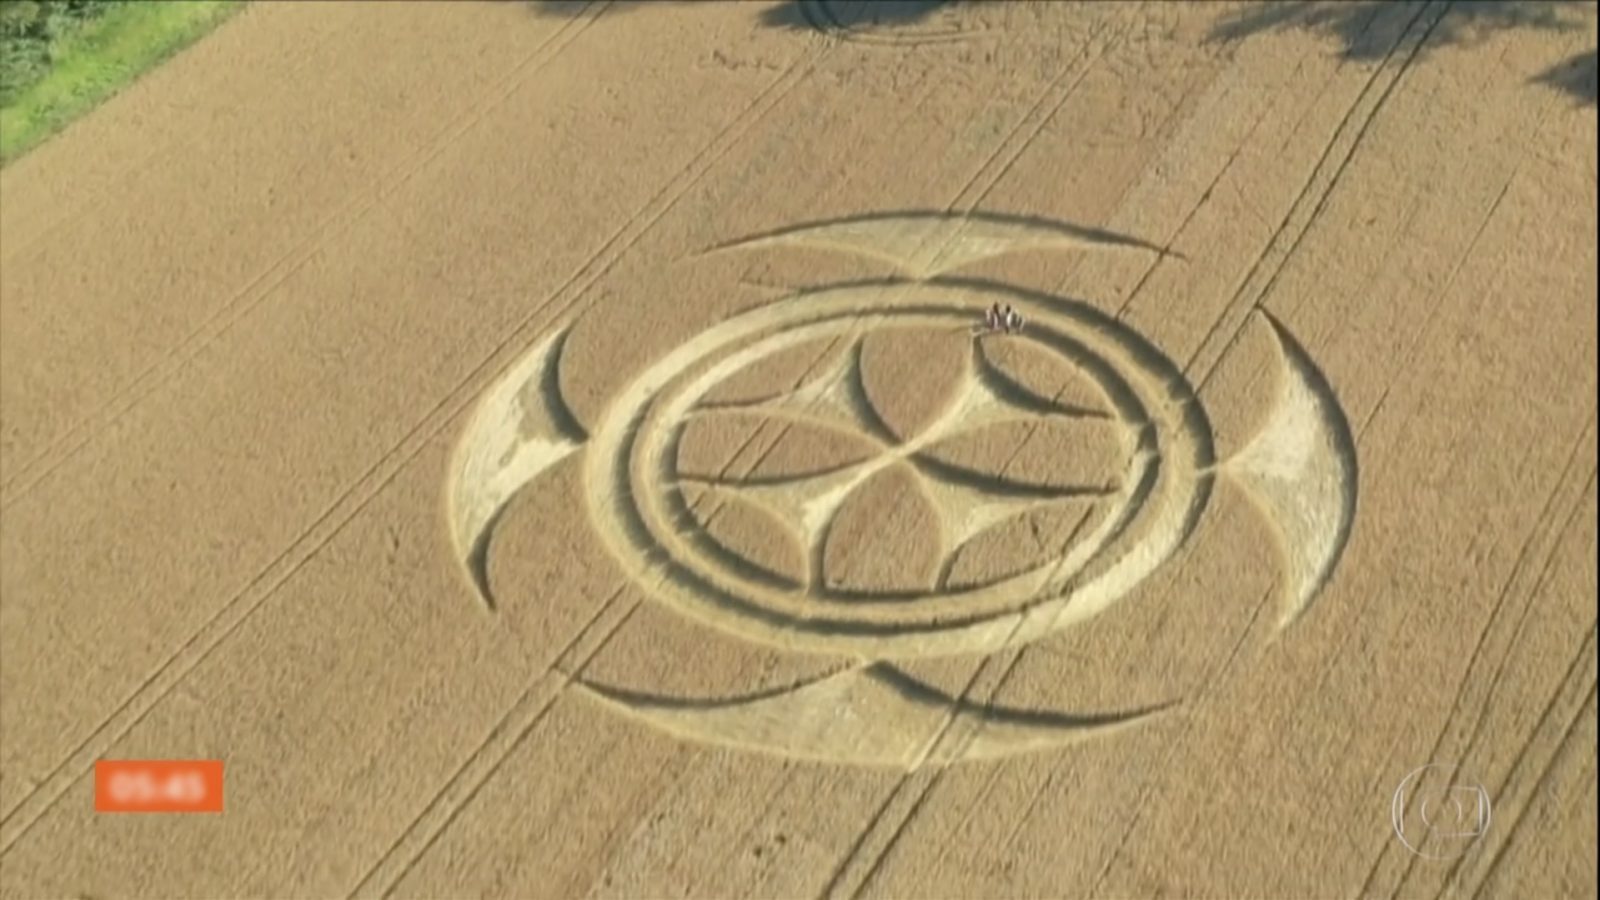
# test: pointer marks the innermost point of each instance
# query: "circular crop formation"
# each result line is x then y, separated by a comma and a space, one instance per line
1140, 489
1147, 511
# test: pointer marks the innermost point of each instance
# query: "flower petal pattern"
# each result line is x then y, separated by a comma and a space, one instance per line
984, 445
750, 539
782, 372
884, 542
913, 376
1020, 542
718, 446
1045, 374
1088, 454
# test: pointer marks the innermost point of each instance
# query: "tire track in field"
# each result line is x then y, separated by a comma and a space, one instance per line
390, 871
332, 521
1327, 673
227, 316
1209, 369
1419, 340
1322, 181
486, 758
162, 151
1534, 134
34, 471
1300, 203
553, 685
1573, 675
1585, 708
1043, 112
1537, 535
1546, 535
530, 709
518, 722
1211, 364
1205, 196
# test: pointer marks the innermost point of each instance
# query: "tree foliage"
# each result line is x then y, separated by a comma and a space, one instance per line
29, 30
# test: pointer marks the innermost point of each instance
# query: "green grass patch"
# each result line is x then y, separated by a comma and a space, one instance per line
81, 61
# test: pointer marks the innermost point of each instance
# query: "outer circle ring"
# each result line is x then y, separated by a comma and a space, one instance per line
1153, 518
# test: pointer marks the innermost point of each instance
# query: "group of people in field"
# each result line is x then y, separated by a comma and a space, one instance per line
1002, 318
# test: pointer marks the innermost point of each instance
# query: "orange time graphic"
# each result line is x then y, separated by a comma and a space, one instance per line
134, 785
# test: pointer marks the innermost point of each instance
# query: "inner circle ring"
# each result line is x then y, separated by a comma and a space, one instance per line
1168, 485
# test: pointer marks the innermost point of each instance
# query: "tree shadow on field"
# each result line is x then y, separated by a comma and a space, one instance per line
817, 15
1370, 29
1366, 30
838, 15
568, 9
1574, 75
